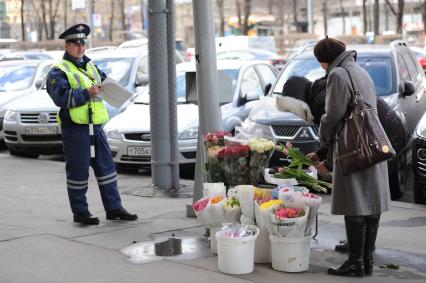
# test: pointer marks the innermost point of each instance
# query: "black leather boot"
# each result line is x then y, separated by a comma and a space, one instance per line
356, 231
120, 214
85, 218
370, 242
342, 247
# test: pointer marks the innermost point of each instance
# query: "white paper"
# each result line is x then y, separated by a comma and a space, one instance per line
114, 93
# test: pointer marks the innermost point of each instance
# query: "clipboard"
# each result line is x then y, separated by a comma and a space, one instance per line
114, 93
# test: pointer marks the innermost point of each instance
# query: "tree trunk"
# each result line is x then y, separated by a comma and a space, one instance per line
270, 6
238, 8
219, 4
247, 11
111, 22
343, 17
65, 14
364, 16
424, 15
43, 13
296, 21
123, 16
22, 20
376, 18
281, 18
142, 15
399, 16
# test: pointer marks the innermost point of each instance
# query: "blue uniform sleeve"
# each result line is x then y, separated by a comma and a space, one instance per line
101, 73
61, 92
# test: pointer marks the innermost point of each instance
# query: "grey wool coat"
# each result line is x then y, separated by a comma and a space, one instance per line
365, 192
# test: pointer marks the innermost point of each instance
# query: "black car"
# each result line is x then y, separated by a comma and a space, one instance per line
419, 162
398, 78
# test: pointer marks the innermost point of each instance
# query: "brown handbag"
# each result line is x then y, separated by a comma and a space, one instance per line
362, 141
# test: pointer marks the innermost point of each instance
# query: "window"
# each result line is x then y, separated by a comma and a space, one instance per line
266, 73
412, 69
402, 68
251, 83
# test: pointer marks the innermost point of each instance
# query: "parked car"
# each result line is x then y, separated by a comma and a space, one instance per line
30, 126
241, 84
26, 55
19, 78
421, 55
398, 79
419, 162
252, 54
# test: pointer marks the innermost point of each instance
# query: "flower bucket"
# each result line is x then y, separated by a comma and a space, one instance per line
213, 240
290, 254
262, 249
236, 255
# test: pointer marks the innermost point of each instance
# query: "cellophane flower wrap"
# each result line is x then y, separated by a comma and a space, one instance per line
232, 210
236, 158
202, 209
260, 153
289, 221
262, 210
214, 143
245, 194
218, 209
313, 201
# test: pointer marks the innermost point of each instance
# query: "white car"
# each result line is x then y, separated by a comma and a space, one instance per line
241, 84
30, 126
19, 78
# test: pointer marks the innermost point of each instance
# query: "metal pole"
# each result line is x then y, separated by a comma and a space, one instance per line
310, 5
159, 100
208, 103
324, 7
90, 18
171, 52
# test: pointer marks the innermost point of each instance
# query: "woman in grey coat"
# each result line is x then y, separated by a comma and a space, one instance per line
361, 196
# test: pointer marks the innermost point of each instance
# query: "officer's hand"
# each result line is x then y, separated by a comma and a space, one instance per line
95, 90
313, 156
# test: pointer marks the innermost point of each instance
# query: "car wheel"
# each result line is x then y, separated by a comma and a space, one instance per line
397, 176
419, 193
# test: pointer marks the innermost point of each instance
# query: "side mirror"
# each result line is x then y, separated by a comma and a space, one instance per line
141, 80
267, 88
39, 83
250, 96
409, 88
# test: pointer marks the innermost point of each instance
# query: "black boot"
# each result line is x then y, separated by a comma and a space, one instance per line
342, 247
120, 214
356, 231
370, 242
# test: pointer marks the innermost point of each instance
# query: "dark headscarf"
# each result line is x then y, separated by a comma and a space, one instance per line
327, 49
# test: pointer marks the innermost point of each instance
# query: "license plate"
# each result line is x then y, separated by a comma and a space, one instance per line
138, 151
36, 131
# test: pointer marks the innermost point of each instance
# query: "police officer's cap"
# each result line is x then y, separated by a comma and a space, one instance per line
77, 34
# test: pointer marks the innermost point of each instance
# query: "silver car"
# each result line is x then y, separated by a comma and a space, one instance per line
242, 83
19, 78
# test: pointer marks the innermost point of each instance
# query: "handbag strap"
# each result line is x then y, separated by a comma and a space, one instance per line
355, 96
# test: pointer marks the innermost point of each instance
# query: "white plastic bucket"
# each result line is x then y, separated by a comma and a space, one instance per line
262, 249
290, 254
213, 241
235, 255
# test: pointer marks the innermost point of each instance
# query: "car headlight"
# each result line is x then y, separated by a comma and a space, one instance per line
10, 116
188, 134
113, 134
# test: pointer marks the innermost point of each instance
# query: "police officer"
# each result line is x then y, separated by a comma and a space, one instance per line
74, 86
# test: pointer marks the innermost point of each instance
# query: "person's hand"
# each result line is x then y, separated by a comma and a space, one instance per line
313, 156
95, 90
322, 170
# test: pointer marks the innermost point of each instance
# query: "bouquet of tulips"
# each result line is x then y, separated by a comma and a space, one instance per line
289, 221
260, 153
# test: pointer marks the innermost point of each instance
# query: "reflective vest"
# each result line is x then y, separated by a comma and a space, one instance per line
78, 78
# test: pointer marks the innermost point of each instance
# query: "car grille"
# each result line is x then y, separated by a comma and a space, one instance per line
136, 158
285, 131
316, 130
189, 155
32, 118
30, 138
138, 136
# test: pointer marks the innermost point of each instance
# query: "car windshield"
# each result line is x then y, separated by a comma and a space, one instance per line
116, 68
180, 91
16, 78
379, 68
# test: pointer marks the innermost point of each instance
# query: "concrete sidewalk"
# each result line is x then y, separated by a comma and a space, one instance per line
40, 243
